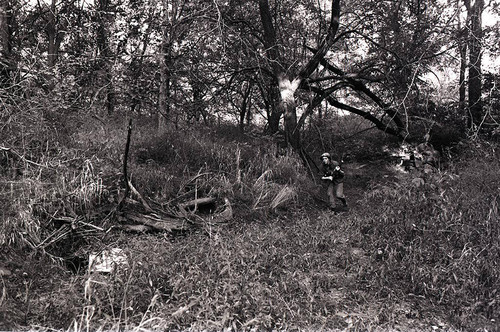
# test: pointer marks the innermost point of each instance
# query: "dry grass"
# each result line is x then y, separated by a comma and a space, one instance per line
240, 277
46, 193
439, 240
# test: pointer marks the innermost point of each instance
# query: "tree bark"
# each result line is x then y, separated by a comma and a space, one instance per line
271, 101
274, 109
287, 103
462, 44
52, 35
5, 44
244, 108
104, 19
475, 59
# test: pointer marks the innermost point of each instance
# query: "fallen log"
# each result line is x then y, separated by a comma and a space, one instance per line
193, 204
136, 228
158, 223
198, 202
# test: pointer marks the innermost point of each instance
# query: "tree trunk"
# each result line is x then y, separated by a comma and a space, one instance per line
287, 102
462, 83
164, 95
244, 108
475, 57
166, 63
273, 122
462, 44
288, 87
270, 44
5, 44
273, 111
110, 89
53, 47
104, 19
198, 107
136, 67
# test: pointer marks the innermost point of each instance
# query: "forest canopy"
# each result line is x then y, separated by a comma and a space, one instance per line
276, 64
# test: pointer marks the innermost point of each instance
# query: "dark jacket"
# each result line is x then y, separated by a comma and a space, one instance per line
333, 169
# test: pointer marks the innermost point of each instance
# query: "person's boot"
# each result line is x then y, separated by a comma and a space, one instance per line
344, 207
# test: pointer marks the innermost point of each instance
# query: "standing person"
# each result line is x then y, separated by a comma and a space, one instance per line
334, 176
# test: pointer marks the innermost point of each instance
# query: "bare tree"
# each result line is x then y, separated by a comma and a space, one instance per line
5, 43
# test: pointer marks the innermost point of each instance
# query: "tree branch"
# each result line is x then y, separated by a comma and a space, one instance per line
326, 94
361, 87
318, 99
325, 45
367, 115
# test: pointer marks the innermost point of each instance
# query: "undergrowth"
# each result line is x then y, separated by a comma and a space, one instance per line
205, 163
280, 263
439, 239
264, 275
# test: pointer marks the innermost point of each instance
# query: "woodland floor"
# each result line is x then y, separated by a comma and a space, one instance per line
30, 294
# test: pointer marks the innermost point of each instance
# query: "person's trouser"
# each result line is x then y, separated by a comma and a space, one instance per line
336, 191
